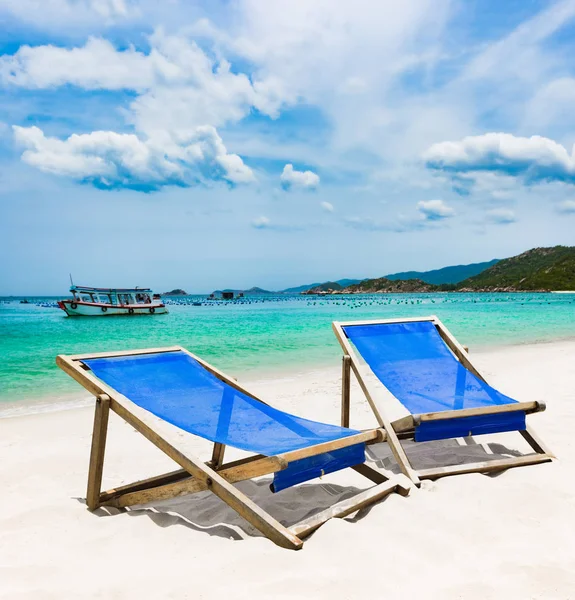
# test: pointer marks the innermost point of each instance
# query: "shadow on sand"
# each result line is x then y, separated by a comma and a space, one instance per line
205, 512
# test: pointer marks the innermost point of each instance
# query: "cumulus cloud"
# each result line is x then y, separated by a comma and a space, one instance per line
96, 65
266, 223
182, 94
301, 57
399, 225
109, 8
500, 216
44, 13
534, 159
367, 224
111, 160
334, 62
430, 214
291, 178
179, 85
566, 207
261, 222
327, 206
434, 210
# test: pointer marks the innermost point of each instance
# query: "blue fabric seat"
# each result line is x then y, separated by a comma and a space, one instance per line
413, 362
180, 390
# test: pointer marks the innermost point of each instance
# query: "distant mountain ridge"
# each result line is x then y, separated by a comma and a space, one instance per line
453, 274
537, 270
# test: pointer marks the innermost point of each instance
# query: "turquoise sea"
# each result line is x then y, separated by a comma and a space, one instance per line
265, 335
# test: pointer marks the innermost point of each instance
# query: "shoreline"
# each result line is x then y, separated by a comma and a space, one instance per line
263, 377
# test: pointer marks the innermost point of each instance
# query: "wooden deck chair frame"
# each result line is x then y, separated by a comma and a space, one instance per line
215, 475
404, 428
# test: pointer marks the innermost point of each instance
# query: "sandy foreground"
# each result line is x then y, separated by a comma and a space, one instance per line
471, 536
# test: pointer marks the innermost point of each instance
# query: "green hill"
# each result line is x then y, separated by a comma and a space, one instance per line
384, 285
304, 288
255, 291
453, 274
538, 269
328, 286
300, 288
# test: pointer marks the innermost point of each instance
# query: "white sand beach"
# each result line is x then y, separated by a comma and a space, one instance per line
509, 535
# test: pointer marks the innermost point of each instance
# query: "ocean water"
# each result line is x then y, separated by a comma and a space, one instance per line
259, 336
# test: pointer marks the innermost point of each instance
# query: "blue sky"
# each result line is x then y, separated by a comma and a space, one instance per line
239, 143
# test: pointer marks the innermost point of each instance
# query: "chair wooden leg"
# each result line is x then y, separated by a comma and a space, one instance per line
97, 452
536, 442
345, 390
217, 455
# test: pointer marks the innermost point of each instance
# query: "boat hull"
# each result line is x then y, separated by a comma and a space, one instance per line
89, 309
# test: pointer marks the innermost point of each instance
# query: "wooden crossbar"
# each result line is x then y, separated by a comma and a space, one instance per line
195, 476
372, 436
143, 484
192, 485
404, 427
411, 421
343, 509
160, 480
486, 466
114, 353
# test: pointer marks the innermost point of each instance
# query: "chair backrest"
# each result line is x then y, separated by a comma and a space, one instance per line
179, 389
413, 362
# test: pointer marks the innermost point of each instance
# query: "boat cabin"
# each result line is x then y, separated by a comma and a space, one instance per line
111, 296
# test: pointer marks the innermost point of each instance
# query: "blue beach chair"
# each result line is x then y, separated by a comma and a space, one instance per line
424, 367
149, 388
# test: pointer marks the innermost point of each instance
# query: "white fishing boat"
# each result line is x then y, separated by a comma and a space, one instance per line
100, 302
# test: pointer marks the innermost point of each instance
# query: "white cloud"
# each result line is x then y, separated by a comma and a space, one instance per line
327, 206
566, 207
52, 14
109, 160
181, 91
109, 8
179, 85
322, 54
500, 216
291, 178
328, 54
368, 224
551, 104
96, 65
430, 215
434, 210
401, 224
534, 159
261, 222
